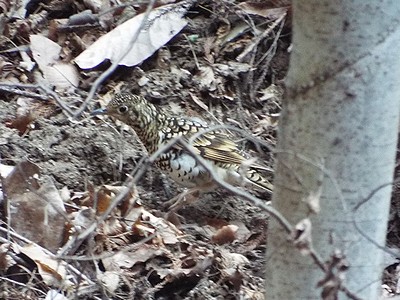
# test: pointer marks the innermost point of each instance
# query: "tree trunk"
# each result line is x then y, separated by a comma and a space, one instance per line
337, 142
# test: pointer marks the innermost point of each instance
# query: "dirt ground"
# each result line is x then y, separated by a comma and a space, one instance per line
82, 154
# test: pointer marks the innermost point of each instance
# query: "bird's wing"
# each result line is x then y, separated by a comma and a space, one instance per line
219, 147
215, 146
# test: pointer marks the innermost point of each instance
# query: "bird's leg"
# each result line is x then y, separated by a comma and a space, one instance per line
186, 197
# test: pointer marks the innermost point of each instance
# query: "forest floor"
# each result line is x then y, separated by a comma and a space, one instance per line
226, 66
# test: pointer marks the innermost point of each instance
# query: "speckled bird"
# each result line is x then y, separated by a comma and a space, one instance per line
156, 128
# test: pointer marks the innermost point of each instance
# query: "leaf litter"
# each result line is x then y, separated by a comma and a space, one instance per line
60, 177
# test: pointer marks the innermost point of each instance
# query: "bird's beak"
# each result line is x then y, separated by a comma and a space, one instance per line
100, 111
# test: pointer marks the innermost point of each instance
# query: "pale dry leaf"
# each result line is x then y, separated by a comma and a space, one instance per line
110, 280
128, 259
32, 218
27, 63
55, 73
22, 178
180, 74
242, 232
82, 219
198, 101
232, 68
53, 272
62, 76
161, 26
239, 29
166, 230
5, 170
230, 263
97, 5
44, 50
55, 295
262, 9
65, 194
206, 79
271, 92
173, 273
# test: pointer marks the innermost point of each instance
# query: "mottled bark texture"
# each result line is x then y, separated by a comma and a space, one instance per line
337, 142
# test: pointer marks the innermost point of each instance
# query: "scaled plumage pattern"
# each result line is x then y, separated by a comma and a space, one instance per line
155, 129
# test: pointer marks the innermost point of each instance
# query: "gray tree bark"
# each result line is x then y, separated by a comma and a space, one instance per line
336, 143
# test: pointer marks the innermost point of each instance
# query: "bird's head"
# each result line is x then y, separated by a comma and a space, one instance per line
131, 109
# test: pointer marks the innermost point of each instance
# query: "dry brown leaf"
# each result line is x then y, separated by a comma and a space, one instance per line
162, 24
225, 235
261, 9
53, 272
165, 230
21, 123
130, 199
22, 178
35, 210
103, 201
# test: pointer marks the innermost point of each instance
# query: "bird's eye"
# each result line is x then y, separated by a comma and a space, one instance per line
123, 109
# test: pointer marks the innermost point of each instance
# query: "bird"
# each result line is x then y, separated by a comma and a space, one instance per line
155, 128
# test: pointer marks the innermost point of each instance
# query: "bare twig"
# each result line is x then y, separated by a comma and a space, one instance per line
358, 228
258, 39
15, 89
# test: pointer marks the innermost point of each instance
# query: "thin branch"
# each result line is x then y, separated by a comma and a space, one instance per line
258, 39
358, 228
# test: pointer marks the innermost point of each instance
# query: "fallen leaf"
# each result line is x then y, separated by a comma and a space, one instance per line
55, 73
225, 235
206, 79
110, 280
271, 92
161, 25
44, 50
198, 101
52, 271
21, 123
6, 260
5, 170
55, 295
35, 210
262, 9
